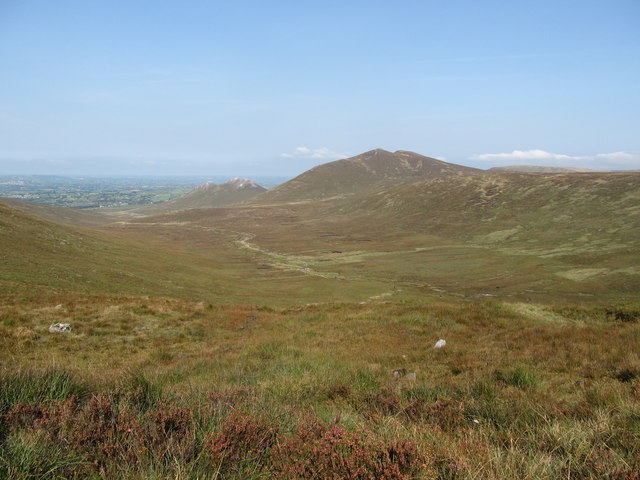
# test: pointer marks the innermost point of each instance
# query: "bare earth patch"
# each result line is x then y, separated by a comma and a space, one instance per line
582, 274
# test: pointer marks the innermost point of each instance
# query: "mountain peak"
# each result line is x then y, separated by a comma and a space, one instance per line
241, 183
368, 171
206, 186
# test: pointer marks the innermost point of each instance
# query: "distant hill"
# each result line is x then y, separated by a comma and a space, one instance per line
209, 194
540, 169
371, 170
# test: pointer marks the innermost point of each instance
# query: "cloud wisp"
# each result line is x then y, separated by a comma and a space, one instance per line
611, 161
323, 153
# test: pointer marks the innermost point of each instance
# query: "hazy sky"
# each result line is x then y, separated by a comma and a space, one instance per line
275, 87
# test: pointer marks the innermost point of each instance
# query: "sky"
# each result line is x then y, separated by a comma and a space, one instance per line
276, 87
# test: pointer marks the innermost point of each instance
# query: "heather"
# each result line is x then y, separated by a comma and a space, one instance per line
174, 389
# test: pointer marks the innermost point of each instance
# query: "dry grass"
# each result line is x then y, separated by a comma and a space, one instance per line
509, 396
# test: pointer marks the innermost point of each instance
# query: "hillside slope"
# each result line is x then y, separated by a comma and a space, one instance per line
542, 205
37, 255
585, 227
67, 216
207, 195
372, 170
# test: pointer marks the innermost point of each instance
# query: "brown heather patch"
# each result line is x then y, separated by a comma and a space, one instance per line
321, 451
242, 444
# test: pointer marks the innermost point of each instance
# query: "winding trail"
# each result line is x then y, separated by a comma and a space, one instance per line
281, 260
292, 263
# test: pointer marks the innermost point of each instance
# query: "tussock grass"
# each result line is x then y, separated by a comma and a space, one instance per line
37, 387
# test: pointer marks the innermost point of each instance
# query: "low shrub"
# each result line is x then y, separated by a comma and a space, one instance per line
319, 451
623, 314
242, 440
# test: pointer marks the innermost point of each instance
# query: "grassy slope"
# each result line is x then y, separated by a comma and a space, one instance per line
40, 254
582, 228
67, 216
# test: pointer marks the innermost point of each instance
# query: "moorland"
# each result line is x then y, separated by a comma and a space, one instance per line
289, 333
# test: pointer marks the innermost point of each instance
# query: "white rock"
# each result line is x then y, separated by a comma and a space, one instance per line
59, 328
411, 376
440, 343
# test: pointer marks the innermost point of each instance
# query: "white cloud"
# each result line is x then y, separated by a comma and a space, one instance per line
604, 161
521, 156
623, 158
323, 153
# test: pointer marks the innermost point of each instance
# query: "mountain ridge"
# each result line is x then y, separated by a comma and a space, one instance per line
541, 169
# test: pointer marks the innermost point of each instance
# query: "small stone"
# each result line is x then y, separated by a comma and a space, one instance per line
440, 343
411, 377
400, 372
60, 328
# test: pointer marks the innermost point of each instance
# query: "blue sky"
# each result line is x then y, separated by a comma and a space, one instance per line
257, 87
